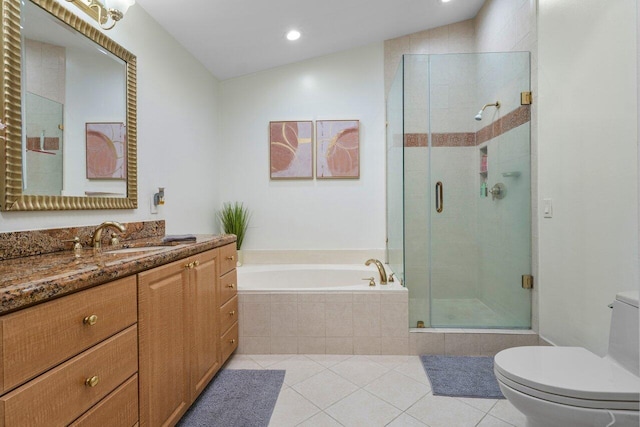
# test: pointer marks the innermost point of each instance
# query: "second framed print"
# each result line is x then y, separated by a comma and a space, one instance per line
338, 149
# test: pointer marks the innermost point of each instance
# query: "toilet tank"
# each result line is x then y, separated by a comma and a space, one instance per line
623, 335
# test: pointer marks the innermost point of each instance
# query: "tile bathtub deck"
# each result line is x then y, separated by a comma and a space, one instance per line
371, 391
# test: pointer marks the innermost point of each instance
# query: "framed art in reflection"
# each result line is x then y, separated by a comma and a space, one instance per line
106, 151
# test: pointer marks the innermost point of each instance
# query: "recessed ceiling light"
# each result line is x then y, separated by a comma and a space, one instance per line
293, 35
445, 1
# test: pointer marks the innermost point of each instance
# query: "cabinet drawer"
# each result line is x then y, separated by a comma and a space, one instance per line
229, 342
38, 338
228, 258
228, 314
118, 409
61, 395
228, 286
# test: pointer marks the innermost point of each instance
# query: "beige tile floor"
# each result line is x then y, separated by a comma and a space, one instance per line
369, 391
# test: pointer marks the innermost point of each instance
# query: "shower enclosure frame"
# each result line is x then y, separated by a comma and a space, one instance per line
432, 100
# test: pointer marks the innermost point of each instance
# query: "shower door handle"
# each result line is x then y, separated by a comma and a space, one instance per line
439, 197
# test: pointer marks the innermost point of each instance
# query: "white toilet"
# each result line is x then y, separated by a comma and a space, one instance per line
570, 386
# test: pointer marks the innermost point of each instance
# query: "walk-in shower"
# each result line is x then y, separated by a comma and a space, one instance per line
459, 189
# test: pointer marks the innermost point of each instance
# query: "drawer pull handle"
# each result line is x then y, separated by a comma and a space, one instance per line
229, 258
232, 313
90, 320
232, 341
92, 382
196, 263
230, 285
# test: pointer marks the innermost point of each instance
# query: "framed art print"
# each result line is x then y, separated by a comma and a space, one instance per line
291, 150
338, 149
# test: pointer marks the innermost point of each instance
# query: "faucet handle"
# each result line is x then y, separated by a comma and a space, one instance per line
76, 243
371, 280
391, 279
114, 239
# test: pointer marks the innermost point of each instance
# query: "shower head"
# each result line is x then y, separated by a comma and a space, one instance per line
479, 115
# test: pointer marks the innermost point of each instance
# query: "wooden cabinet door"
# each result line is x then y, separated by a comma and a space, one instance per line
163, 307
204, 330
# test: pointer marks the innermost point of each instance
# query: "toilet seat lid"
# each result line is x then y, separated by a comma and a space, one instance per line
568, 371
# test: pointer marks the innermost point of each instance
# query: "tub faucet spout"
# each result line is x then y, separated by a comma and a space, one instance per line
381, 270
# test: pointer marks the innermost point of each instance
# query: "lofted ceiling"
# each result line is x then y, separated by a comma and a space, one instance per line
237, 37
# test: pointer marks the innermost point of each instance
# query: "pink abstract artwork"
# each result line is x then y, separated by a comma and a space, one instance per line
290, 150
338, 144
106, 151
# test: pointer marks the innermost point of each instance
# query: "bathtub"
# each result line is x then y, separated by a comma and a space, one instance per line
312, 278
320, 309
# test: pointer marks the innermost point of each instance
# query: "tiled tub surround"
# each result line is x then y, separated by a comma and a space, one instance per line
34, 279
345, 317
278, 316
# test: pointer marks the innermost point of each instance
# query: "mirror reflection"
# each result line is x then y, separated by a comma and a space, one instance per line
74, 111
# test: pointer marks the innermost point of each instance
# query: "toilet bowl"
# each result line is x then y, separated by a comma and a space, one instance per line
570, 386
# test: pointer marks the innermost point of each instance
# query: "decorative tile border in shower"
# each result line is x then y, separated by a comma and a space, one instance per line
511, 120
416, 139
467, 139
19, 244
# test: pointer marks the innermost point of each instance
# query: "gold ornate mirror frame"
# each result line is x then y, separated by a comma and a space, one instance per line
12, 198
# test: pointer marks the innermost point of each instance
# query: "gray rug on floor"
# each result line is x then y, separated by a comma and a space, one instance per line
462, 376
236, 398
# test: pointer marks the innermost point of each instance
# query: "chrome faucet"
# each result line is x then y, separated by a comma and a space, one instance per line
383, 273
97, 234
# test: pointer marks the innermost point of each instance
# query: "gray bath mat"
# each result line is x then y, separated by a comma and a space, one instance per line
462, 376
236, 398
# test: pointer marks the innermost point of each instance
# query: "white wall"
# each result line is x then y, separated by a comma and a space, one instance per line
307, 214
178, 107
587, 165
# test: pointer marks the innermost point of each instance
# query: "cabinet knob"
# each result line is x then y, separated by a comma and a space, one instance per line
232, 313
232, 341
90, 320
230, 285
196, 263
190, 265
92, 382
229, 258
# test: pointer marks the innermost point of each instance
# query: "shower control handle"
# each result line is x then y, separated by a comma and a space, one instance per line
498, 191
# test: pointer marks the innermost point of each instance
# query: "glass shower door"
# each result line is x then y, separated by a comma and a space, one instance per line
479, 190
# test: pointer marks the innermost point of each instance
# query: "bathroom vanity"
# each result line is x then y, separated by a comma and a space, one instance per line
120, 338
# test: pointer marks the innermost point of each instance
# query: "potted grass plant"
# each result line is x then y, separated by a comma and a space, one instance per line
235, 220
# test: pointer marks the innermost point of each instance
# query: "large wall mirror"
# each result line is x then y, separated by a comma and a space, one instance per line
69, 111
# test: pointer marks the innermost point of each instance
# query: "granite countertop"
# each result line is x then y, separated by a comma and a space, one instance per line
35, 279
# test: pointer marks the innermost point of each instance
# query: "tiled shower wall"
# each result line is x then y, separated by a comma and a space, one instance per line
45, 76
